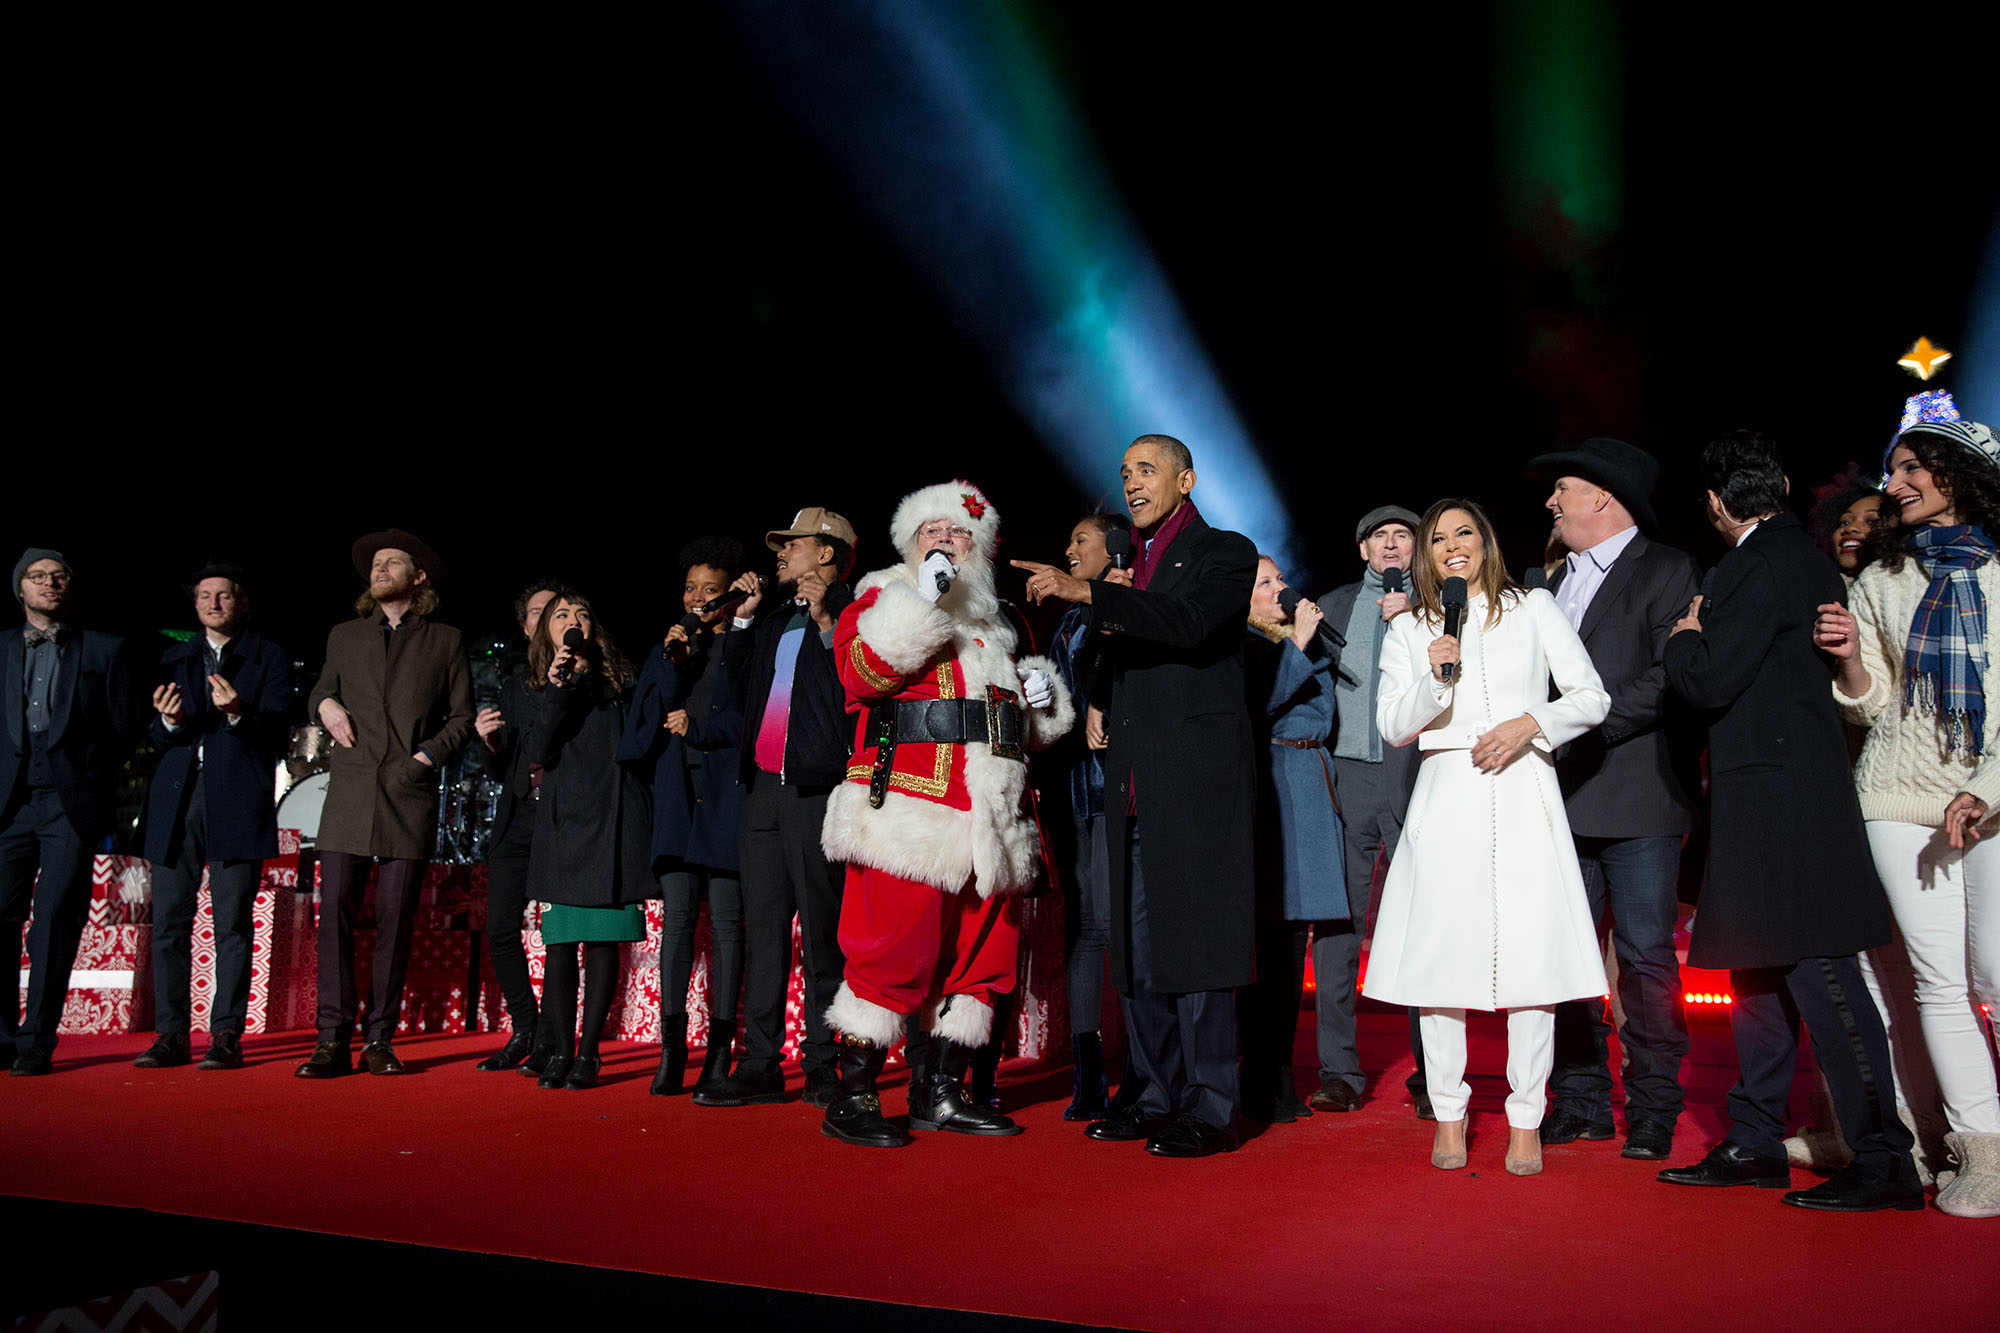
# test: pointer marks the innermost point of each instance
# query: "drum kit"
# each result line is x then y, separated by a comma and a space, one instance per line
468, 798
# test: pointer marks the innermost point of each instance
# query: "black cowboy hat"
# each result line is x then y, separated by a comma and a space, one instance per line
396, 539
1626, 470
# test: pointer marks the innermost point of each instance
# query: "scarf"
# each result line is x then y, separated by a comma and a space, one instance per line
1156, 546
1944, 665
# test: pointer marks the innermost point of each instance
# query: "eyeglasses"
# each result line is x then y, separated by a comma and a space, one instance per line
39, 577
933, 531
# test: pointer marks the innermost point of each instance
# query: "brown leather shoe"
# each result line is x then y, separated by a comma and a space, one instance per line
330, 1059
1333, 1095
378, 1058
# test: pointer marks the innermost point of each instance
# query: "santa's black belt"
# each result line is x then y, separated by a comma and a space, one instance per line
996, 720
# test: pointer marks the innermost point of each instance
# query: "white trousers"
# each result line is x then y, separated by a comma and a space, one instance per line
1947, 908
1531, 1053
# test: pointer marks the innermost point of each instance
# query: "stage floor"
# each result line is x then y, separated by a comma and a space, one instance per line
1335, 1220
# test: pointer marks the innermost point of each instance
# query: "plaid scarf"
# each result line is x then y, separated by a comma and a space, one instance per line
1944, 666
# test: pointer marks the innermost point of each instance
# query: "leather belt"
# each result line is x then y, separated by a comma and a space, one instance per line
1299, 745
1326, 773
996, 720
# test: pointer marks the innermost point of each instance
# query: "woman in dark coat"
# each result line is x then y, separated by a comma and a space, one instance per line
591, 866
1289, 675
682, 730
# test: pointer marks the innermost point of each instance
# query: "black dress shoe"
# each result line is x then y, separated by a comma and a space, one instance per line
1853, 1191
1567, 1127
744, 1088
518, 1048
169, 1050
1127, 1126
378, 1057
555, 1074
32, 1064
225, 1051
822, 1088
1420, 1102
1727, 1164
1334, 1095
582, 1073
330, 1059
1648, 1140
1190, 1136
537, 1061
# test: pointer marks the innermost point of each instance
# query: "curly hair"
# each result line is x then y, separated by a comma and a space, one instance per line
723, 553
1494, 580
1834, 499
602, 652
1967, 480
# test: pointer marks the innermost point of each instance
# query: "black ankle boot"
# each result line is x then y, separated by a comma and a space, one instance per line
856, 1114
519, 1045
941, 1103
673, 1056
714, 1063
1087, 1064
556, 1072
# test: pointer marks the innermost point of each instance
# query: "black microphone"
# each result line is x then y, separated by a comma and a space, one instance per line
1332, 640
1118, 545
943, 579
573, 640
1453, 598
713, 605
1392, 580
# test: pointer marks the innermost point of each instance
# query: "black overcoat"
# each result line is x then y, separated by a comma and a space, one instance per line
593, 824
694, 823
1789, 871
1171, 684
239, 763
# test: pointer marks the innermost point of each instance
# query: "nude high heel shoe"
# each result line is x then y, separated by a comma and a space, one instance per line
1524, 1152
1448, 1146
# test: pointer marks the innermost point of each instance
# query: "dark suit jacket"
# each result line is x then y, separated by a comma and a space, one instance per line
415, 692
1172, 688
1789, 871
1399, 762
507, 762
593, 834
1637, 775
238, 764
97, 715
819, 735
693, 822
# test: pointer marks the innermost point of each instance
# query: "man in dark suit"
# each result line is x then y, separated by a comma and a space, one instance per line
1374, 781
1626, 789
396, 695
500, 730
73, 713
1171, 707
219, 723
778, 652
1791, 894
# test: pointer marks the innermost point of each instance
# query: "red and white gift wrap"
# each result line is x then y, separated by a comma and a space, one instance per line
111, 982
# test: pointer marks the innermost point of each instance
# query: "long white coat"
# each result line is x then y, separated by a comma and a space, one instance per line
1484, 905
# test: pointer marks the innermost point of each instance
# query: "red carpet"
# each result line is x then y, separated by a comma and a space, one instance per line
1339, 1220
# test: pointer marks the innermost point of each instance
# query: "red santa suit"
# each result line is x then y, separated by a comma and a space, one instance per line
930, 918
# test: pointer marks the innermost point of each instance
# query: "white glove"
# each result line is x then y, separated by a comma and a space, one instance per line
1037, 689
934, 575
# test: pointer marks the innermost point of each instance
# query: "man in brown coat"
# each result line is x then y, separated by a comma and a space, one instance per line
396, 695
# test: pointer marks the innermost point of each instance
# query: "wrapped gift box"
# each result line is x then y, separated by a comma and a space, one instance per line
110, 987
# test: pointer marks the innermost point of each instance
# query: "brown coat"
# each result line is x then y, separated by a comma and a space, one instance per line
415, 692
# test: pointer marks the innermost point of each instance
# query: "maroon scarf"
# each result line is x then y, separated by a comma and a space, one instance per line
1156, 549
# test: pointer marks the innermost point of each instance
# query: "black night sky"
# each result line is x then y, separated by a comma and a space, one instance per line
559, 299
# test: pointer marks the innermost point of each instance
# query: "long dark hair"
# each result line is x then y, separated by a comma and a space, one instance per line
1967, 479
608, 663
1494, 580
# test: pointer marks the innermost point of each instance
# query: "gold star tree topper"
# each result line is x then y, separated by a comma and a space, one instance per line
1922, 360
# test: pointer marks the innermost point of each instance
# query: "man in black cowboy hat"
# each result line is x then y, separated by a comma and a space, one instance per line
396, 695
219, 723
1626, 788
74, 711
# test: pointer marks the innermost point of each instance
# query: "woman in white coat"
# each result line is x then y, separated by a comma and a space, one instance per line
1484, 907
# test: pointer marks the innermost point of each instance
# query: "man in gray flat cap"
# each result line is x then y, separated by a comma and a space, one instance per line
1374, 782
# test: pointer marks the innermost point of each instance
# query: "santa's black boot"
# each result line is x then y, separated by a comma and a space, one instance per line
941, 1102
856, 1114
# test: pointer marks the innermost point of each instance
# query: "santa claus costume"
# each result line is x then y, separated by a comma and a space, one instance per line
932, 820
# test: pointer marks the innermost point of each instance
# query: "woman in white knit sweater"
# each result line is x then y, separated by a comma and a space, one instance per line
1913, 667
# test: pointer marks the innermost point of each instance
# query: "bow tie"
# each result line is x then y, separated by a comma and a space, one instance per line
36, 636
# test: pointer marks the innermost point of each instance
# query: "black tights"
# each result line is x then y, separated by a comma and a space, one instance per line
600, 978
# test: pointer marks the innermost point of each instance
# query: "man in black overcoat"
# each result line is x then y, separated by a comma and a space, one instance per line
1170, 703
1791, 895
220, 720
74, 710
1628, 788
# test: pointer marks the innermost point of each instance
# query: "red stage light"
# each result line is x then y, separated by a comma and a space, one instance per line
1708, 997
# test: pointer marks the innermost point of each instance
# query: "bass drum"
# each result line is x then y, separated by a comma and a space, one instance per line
299, 808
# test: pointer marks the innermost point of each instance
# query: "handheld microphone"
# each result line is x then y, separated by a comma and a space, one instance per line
943, 579
1392, 580
1453, 598
573, 640
722, 603
1329, 638
1118, 545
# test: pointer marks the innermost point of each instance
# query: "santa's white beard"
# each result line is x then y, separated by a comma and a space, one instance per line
971, 596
